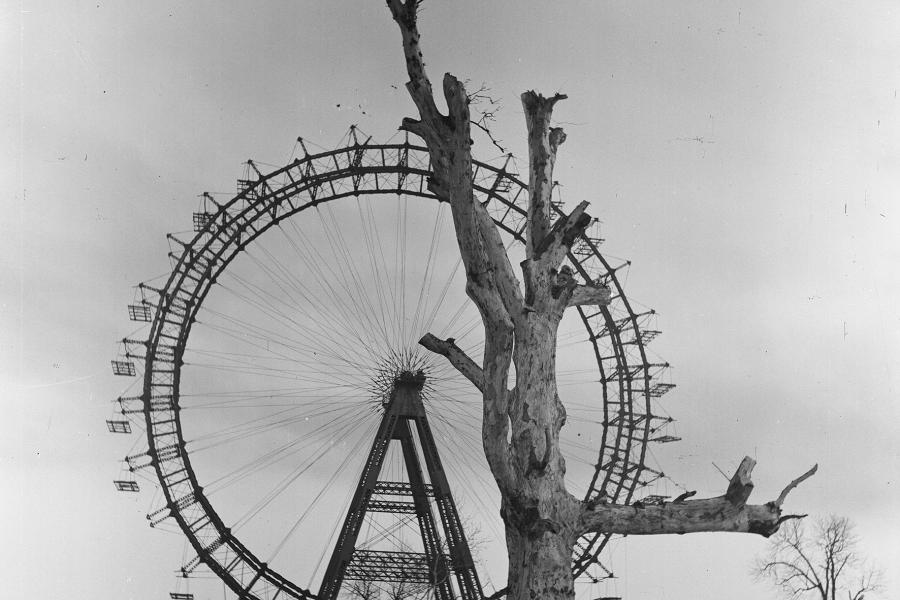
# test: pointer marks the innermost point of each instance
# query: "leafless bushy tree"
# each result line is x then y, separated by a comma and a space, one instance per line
365, 589
822, 561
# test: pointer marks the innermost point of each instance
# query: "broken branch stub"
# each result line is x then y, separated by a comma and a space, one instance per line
459, 359
597, 295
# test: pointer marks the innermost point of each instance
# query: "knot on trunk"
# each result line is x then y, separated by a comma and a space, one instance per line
539, 465
563, 281
557, 137
523, 515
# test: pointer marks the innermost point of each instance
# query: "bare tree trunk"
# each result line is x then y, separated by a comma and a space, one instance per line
521, 426
538, 513
539, 567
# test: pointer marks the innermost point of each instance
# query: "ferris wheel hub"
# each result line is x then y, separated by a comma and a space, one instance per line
406, 396
410, 379
400, 370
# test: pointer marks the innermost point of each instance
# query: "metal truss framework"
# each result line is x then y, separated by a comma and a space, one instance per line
403, 413
617, 335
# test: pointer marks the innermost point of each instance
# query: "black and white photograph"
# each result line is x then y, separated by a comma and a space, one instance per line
450, 300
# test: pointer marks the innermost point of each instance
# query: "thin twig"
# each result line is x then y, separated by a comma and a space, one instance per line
795, 483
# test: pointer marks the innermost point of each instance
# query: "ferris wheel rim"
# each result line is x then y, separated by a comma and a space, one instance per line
163, 360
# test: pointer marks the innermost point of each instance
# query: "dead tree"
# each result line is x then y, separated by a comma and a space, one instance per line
521, 426
824, 563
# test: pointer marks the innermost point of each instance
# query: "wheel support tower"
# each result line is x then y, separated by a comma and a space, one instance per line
403, 412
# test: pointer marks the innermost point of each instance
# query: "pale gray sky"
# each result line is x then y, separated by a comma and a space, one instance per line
745, 157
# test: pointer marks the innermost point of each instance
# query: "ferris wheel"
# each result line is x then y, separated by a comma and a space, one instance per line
301, 438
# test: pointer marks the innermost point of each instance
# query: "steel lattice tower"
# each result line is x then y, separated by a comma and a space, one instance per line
403, 412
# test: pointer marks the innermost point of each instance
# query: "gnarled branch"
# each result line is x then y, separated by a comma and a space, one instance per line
504, 276
729, 512
491, 282
547, 286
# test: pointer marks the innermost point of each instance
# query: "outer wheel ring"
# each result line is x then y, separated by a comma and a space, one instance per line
615, 333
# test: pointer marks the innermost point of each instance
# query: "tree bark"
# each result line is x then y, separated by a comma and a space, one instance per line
539, 567
521, 426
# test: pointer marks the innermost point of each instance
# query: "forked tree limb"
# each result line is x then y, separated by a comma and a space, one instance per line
491, 279
491, 282
542, 270
546, 244
504, 276
729, 512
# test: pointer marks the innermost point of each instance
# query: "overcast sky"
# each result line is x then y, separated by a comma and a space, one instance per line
745, 156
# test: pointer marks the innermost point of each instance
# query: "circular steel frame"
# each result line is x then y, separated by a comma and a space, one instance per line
615, 333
